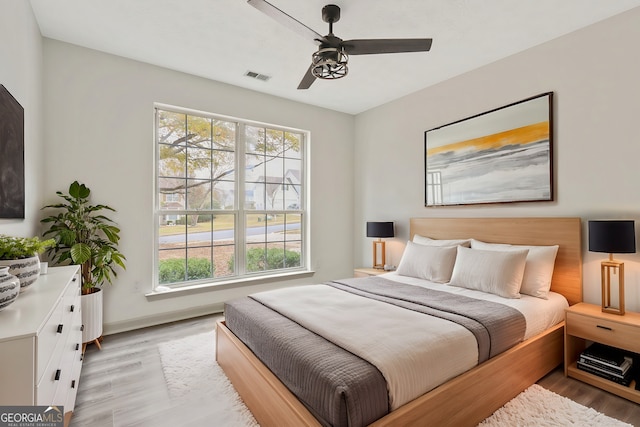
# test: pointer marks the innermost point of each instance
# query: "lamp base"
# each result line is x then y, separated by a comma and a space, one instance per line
376, 264
607, 268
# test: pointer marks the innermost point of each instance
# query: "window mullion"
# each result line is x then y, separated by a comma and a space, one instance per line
241, 238
156, 198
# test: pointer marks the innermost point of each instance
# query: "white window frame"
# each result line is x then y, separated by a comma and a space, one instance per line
239, 212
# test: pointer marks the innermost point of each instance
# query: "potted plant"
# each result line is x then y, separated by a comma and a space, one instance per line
20, 254
86, 237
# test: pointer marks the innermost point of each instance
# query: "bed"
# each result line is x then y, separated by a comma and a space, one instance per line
455, 402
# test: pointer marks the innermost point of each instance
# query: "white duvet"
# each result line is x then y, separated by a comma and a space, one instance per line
413, 360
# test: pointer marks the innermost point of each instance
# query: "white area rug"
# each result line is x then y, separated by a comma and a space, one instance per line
539, 407
195, 379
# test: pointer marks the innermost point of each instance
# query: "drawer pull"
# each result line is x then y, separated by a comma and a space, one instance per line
58, 372
77, 347
81, 328
73, 384
604, 327
73, 308
74, 279
60, 328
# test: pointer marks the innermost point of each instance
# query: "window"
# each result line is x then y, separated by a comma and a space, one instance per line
230, 198
434, 187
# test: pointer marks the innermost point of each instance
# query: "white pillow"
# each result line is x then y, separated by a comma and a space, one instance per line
422, 240
494, 272
427, 262
538, 269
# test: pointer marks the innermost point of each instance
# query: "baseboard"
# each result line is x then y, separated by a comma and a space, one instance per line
161, 318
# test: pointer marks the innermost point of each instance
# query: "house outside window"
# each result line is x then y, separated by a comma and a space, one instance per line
230, 198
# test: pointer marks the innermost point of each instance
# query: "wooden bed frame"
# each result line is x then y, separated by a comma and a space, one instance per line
467, 399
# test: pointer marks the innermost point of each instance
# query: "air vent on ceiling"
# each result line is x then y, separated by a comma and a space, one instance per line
258, 76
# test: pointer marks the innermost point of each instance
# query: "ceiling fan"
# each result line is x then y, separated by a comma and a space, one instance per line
330, 60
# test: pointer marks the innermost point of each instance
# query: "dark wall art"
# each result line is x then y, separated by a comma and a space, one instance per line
503, 155
11, 156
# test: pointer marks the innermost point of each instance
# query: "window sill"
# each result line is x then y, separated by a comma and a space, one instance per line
230, 284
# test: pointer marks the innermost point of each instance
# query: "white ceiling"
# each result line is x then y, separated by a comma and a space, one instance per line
223, 39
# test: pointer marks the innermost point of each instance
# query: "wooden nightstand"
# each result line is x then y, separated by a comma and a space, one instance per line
585, 323
366, 272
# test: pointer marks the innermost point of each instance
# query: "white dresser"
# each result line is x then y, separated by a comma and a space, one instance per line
41, 342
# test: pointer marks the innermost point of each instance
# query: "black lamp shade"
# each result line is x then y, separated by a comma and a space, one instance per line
614, 237
380, 229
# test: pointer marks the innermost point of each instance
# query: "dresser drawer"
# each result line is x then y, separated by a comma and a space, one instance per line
66, 378
46, 389
72, 364
62, 375
52, 336
605, 331
75, 378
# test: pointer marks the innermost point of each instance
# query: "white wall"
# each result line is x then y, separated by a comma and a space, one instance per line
99, 125
594, 74
21, 75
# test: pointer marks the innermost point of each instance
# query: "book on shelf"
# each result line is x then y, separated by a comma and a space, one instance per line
623, 380
621, 370
601, 369
605, 354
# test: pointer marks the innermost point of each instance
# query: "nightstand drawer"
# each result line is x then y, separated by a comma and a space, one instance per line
605, 331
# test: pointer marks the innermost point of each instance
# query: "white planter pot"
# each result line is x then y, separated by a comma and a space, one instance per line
92, 316
26, 270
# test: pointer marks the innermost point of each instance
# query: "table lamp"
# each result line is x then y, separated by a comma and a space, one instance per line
379, 230
615, 236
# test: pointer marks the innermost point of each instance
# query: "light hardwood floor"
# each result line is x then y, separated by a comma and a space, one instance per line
123, 385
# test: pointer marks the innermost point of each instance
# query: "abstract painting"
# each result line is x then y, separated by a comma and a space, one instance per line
500, 156
11, 156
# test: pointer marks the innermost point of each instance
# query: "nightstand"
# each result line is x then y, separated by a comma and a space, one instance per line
366, 272
585, 323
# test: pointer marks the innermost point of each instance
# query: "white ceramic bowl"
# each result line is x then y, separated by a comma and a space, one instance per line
9, 288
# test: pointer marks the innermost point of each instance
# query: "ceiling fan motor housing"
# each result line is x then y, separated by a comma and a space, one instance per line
331, 13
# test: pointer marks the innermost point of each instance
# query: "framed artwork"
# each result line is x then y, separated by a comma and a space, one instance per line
11, 156
500, 156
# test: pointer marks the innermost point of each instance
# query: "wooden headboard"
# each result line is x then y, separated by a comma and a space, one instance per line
565, 232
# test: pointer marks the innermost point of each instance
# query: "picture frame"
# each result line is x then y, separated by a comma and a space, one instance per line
504, 155
12, 190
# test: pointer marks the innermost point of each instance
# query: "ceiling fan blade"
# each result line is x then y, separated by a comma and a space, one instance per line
286, 20
374, 46
308, 79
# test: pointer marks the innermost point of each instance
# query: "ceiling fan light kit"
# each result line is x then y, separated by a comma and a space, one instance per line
329, 62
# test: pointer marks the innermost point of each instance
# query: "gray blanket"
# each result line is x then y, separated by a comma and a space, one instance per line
339, 388
497, 327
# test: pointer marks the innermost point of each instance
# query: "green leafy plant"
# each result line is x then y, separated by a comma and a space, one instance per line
273, 259
172, 270
84, 236
22, 247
